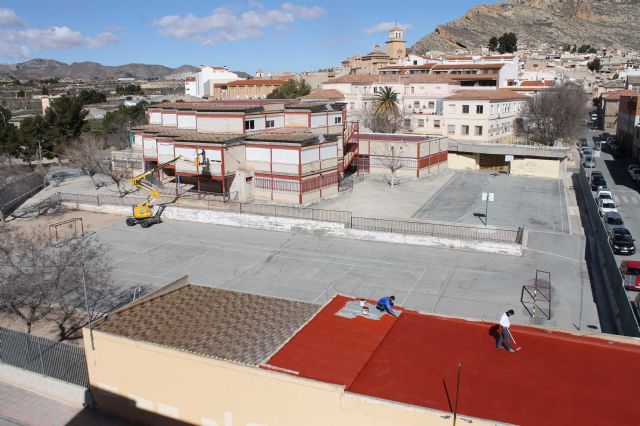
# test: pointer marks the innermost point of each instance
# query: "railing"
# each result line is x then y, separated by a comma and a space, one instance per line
538, 295
43, 356
437, 229
468, 232
623, 311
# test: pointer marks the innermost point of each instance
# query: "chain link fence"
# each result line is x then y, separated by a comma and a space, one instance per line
43, 356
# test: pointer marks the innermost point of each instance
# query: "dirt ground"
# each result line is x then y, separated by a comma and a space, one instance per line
90, 222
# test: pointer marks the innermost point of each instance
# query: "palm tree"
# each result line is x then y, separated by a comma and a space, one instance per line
386, 102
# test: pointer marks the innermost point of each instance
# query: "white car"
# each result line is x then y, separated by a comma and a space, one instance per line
606, 206
603, 194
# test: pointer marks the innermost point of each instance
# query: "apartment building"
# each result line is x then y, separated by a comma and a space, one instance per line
611, 106
265, 150
201, 83
482, 116
628, 126
254, 88
420, 97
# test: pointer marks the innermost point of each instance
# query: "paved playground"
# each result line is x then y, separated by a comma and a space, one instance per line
532, 203
314, 268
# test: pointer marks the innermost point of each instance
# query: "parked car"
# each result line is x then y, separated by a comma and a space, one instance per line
605, 206
604, 194
612, 220
598, 182
635, 175
588, 162
632, 167
621, 241
582, 142
630, 270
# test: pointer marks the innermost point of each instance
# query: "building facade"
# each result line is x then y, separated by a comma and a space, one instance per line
611, 106
200, 84
254, 88
288, 153
628, 124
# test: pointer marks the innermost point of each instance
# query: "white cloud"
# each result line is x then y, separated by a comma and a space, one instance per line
8, 18
22, 43
226, 25
384, 27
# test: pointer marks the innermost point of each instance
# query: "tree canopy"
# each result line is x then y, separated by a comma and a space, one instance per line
595, 65
290, 89
493, 44
506, 43
92, 96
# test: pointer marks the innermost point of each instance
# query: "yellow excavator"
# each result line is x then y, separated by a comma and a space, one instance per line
143, 213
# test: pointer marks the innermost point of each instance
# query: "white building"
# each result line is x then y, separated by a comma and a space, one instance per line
201, 83
419, 96
482, 116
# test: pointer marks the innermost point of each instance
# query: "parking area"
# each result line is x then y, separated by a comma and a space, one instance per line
533, 203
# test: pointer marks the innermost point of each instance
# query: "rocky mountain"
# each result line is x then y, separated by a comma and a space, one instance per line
46, 68
600, 23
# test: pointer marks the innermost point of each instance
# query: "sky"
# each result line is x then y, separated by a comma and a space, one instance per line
290, 35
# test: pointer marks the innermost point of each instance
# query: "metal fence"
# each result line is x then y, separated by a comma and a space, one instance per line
43, 356
467, 232
621, 305
438, 229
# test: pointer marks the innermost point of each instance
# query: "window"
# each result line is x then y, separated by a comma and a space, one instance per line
413, 90
337, 120
432, 105
465, 109
366, 105
375, 90
407, 123
270, 124
479, 109
436, 124
420, 123
464, 129
416, 105
451, 129
478, 130
352, 105
249, 124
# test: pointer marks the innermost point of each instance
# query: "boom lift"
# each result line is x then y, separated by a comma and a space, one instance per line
143, 212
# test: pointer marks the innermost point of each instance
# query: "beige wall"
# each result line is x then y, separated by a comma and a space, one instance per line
537, 167
463, 161
126, 374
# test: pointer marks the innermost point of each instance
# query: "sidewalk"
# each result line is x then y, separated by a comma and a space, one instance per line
24, 408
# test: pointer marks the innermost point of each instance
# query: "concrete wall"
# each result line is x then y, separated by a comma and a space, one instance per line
146, 382
75, 395
459, 161
538, 167
330, 229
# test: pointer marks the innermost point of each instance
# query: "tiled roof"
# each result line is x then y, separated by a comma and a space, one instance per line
331, 94
182, 135
207, 106
486, 95
254, 82
386, 78
408, 67
283, 135
224, 324
615, 96
468, 66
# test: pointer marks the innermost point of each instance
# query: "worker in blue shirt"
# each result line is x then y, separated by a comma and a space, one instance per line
386, 305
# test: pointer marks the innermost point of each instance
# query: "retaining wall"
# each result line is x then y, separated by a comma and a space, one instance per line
331, 229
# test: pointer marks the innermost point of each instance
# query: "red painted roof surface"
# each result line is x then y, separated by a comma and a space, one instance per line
556, 379
332, 348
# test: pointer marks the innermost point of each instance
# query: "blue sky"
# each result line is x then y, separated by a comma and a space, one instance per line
275, 35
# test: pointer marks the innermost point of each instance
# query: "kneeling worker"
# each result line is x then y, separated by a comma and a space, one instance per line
386, 305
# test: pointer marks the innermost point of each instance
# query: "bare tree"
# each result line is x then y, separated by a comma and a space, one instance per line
390, 160
88, 154
41, 281
556, 114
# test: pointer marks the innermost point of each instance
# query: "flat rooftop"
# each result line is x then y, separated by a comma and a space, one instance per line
556, 378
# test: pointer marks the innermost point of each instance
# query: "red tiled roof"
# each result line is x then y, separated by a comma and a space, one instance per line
556, 379
468, 67
486, 95
408, 67
190, 79
253, 82
615, 96
331, 94
392, 78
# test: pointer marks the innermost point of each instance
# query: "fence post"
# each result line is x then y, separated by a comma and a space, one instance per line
98, 199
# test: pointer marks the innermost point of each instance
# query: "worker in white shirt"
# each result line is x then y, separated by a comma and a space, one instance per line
504, 335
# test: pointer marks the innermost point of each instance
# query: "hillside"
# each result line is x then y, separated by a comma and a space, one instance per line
45, 68
600, 23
